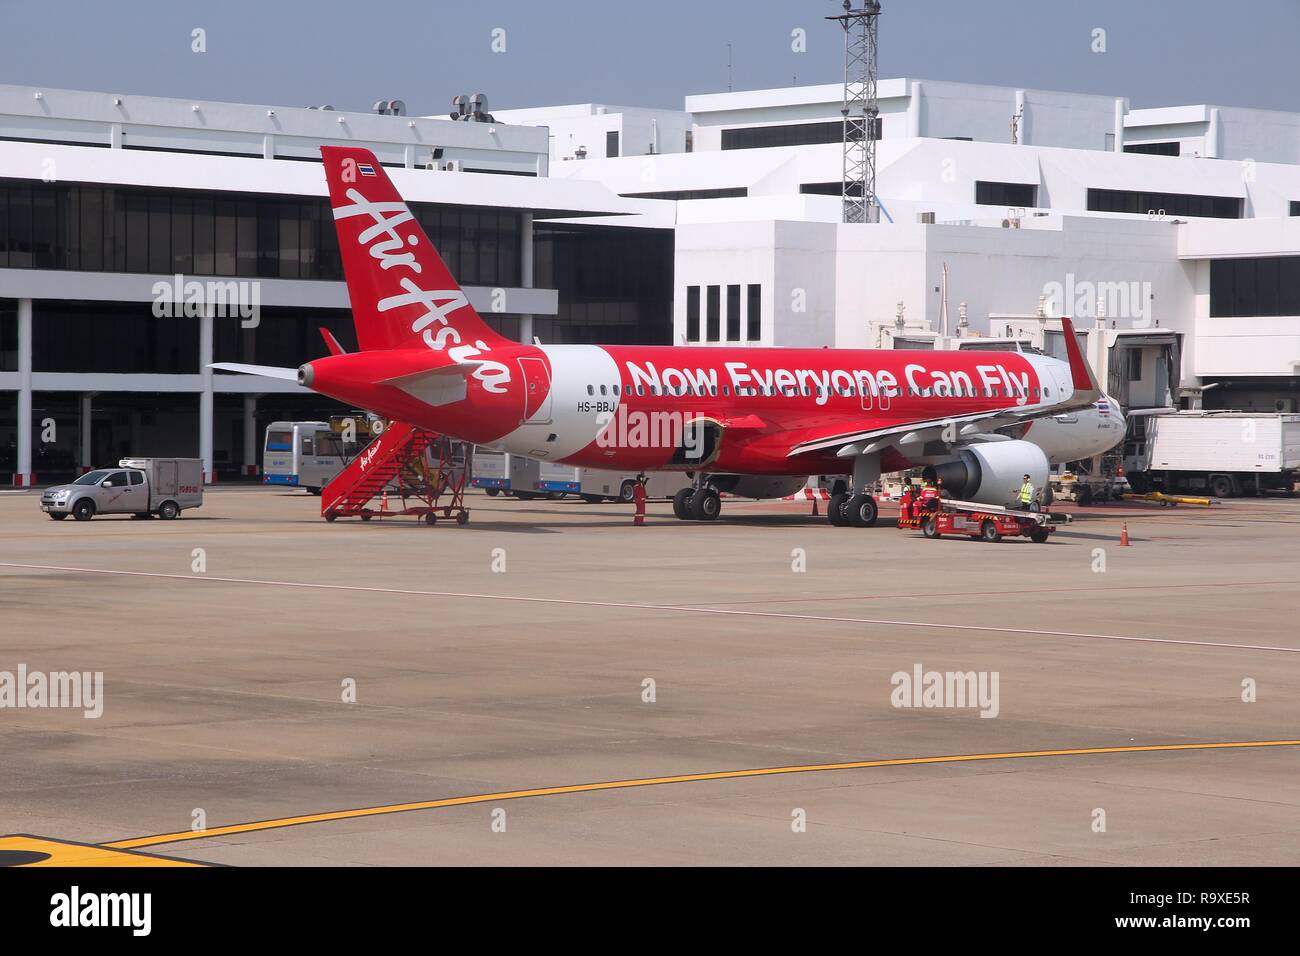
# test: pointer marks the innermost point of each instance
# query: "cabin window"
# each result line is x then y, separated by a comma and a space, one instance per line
591, 390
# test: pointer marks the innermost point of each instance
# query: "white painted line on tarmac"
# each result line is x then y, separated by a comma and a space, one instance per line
688, 609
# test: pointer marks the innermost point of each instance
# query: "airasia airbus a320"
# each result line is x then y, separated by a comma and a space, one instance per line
754, 422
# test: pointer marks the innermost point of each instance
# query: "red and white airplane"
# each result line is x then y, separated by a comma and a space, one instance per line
750, 421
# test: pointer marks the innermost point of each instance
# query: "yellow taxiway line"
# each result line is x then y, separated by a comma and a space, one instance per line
237, 828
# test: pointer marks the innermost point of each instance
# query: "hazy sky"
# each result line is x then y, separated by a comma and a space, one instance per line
350, 53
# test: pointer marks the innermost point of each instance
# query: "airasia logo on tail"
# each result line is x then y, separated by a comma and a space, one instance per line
434, 325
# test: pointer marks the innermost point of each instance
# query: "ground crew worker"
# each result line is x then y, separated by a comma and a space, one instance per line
929, 497
638, 501
905, 500
1027, 495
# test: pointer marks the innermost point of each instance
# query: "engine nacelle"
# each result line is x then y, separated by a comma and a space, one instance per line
991, 472
758, 486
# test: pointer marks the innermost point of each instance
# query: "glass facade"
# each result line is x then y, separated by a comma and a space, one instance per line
111, 337
1155, 149
8, 335
1246, 288
615, 285
729, 192
1171, 204
789, 134
94, 228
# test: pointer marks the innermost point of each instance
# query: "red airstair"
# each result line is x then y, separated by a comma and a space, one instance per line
421, 469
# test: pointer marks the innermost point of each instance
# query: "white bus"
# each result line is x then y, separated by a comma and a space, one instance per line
302, 455
597, 484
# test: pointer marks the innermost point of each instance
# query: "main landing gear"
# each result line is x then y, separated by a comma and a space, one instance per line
700, 502
858, 511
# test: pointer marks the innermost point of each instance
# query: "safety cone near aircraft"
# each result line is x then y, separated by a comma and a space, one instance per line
1123, 535
751, 422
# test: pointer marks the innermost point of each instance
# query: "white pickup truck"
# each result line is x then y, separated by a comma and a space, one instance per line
140, 487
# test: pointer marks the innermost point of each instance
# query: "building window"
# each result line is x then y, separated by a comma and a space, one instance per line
1172, 204
1135, 365
830, 189
733, 313
611, 144
754, 314
796, 134
1295, 207
692, 313
730, 192
713, 306
1154, 149
1246, 288
1005, 194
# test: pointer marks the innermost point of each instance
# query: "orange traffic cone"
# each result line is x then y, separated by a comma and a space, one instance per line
1123, 536
815, 495
383, 504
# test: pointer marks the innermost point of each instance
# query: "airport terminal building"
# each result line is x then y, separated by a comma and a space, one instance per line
105, 201
1173, 233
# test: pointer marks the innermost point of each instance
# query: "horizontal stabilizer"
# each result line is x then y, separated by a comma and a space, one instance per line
266, 371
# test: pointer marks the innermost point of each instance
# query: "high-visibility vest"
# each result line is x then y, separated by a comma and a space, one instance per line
1026, 492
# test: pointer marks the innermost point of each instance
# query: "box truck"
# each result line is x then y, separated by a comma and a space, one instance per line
1222, 453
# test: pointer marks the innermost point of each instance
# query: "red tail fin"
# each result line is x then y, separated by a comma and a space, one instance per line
402, 294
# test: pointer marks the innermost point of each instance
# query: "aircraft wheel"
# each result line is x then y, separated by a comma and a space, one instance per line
682, 504
627, 492
835, 512
862, 511
706, 505
930, 527
989, 531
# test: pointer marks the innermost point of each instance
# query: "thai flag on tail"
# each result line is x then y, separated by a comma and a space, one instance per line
366, 169
1103, 407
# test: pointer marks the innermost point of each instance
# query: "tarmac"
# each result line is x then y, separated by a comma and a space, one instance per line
551, 685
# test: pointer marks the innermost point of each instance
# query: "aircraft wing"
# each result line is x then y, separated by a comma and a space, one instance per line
955, 429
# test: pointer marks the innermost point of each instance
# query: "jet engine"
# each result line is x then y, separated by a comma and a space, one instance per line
991, 472
758, 486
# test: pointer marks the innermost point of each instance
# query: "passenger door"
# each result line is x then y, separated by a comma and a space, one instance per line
114, 496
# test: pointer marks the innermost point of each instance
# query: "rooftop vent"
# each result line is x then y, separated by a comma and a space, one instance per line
390, 108
471, 108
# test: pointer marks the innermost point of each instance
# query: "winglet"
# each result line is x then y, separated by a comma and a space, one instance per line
331, 342
1080, 373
